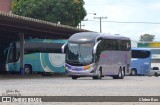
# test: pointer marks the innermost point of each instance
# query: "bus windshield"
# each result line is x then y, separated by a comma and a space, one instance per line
140, 54
80, 53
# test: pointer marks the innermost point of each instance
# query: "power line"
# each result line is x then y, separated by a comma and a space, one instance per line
134, 22
129, 22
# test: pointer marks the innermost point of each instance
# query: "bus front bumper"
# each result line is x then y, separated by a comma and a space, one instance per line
80, 73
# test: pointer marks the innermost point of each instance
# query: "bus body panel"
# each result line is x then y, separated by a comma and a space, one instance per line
142, 66
111, 65
39, 62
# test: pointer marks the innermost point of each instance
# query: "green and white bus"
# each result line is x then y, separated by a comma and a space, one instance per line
40, 56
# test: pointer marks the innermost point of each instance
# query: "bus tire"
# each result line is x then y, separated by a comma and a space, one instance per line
74, 77
27, 69
133, 72
156, 74
120, 74
99, 74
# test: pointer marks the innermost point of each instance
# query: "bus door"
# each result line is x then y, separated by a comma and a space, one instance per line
11, 59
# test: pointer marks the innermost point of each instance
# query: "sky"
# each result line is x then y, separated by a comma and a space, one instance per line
124, 11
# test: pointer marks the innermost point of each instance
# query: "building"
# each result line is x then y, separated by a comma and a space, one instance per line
5, 6
134, 44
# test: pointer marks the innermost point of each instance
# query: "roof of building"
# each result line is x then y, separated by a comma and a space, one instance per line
34, 27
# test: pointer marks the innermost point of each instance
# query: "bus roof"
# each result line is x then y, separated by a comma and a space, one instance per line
47, 40
92, 36
49, 43
145, 49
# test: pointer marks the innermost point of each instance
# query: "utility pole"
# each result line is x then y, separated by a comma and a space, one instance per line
80, 24
100, 20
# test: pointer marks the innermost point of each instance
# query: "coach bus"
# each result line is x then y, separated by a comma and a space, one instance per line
97, 55
140, 61
40, 56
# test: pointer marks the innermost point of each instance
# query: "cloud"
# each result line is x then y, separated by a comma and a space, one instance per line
124, 10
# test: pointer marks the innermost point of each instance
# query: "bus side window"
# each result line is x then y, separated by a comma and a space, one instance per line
119, 45
100, 49
114, 45
102, 46
108, 44
124, 45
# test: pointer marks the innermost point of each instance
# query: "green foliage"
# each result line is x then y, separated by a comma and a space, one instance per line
67, 12
147, 37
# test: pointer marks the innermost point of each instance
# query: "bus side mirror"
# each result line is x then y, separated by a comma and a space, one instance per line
95, 47
64, 48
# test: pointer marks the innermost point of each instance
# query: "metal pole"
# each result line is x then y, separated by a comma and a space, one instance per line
100, 20
21, 35
80, 24
100, 25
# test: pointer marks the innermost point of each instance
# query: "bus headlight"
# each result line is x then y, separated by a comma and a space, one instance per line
87, 67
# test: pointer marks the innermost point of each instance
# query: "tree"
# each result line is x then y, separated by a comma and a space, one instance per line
67, 12
147, 37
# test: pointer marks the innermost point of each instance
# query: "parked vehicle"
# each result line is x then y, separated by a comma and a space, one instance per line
155, 71
40, 55
97, 55
140, 61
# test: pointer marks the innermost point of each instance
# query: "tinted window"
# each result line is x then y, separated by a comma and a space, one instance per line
108, 44
36, 47
124, 45
140, 54
155, 68
112, 44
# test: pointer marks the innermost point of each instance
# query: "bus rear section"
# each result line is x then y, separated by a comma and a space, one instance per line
40, 56
97, 55
140, 61
155, 57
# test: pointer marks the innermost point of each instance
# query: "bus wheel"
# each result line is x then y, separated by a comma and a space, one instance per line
133, 72
120, 75
99, 74
156, 74
74, 77
27, 69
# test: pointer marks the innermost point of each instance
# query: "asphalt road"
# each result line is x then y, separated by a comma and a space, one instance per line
65, 86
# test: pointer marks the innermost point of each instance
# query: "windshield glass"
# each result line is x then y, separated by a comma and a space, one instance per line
80, 53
